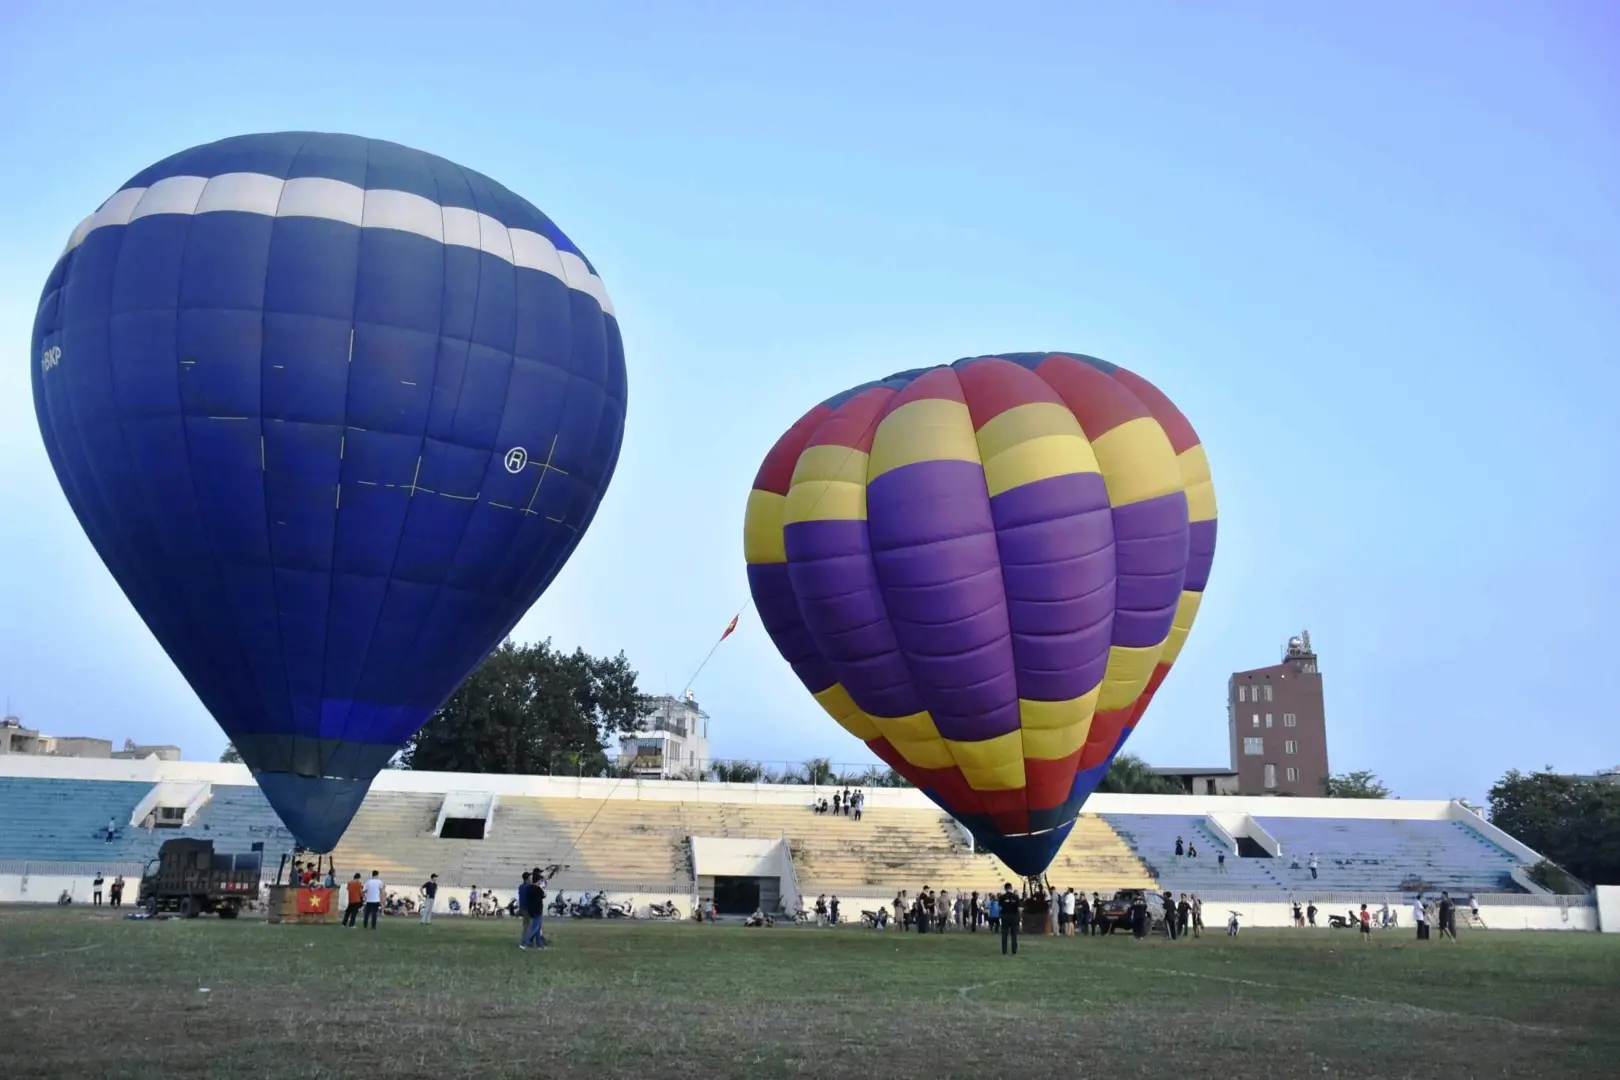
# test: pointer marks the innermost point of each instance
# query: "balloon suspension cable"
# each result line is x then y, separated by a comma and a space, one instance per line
871, 426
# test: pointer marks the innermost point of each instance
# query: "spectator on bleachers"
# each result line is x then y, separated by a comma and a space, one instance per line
1313, 866
112, 829
1192, 850
1220, 861
1180, 848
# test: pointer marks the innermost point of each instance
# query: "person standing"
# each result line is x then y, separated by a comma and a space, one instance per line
1420, 918
430, 889
95, 895
525, 901
117, 891
1220, 861
1011, 905
1448, 917
356, 897
1197, 916
374, 899
1183, 916
537, 887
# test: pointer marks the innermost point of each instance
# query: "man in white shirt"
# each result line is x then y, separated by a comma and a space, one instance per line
1421, 917
374, 898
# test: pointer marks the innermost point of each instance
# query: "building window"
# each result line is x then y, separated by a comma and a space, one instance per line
1268, 719
1268, 691
1256, 719
1291, 747
1289, 719
1254, 747
1243, 693
1293, 775
1271, 776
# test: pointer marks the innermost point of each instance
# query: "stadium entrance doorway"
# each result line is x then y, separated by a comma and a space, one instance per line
745, 895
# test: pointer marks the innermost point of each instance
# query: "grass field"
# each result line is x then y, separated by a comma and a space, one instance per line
88, 995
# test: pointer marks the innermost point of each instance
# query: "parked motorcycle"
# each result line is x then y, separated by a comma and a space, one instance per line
664, 910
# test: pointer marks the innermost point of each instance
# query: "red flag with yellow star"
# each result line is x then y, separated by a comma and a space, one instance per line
314, 901
731, 627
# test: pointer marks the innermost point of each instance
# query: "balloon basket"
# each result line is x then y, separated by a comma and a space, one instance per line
306, 907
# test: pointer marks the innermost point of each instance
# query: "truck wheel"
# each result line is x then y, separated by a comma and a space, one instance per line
151, 905
229, 911
189, 908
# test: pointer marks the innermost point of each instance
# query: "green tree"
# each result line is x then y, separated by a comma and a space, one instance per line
1573, 823
1355, 785
532, 709
230, 756
737, 772
1130, 775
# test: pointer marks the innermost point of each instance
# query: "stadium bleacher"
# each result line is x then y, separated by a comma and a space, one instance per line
1353, 855
1408, 856
65, 821
642, 844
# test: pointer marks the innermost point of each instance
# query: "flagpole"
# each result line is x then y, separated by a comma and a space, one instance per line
716, 646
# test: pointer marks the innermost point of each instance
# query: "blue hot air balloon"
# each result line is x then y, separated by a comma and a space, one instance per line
334, 412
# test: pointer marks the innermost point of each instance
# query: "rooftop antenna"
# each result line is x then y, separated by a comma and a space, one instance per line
1305, 637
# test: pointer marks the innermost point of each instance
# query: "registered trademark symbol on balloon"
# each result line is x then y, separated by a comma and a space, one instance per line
516, 458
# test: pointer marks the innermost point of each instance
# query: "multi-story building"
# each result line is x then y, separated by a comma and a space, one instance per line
673, 741
1278, 725
16, 739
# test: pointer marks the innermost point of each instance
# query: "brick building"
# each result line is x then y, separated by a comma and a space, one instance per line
1278, 725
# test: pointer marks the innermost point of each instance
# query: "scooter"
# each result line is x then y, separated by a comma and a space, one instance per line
622, 909
664, 910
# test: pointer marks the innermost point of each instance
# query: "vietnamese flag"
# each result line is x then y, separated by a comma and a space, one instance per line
314, 901
731, 627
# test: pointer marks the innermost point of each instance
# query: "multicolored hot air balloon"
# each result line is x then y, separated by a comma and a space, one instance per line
985, 571
334, 412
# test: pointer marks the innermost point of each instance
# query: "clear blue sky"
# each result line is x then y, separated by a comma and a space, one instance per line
1372, 250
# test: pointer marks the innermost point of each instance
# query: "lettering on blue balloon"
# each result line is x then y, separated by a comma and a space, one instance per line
51, 357
516, 458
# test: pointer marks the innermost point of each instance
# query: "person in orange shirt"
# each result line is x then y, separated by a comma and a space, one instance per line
356, 896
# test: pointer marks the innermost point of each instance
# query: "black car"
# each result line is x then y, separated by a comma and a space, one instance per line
1115, 913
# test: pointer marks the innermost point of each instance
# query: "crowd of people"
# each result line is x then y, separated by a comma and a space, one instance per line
848, 803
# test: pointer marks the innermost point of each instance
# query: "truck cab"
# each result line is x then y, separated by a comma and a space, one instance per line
190, 878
